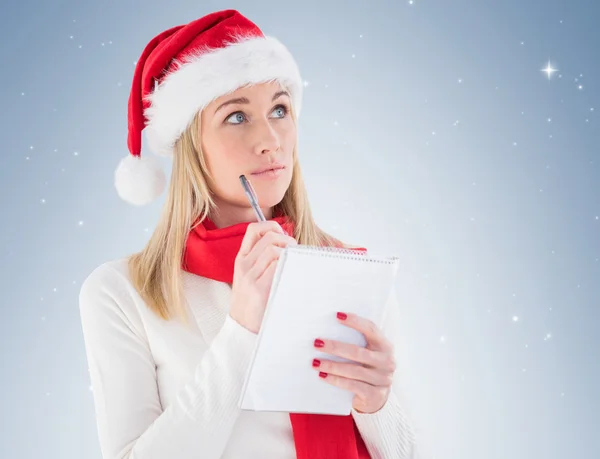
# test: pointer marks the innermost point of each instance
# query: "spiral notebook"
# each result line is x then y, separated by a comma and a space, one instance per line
310, 285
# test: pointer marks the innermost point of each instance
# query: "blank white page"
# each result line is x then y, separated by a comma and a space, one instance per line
310, 286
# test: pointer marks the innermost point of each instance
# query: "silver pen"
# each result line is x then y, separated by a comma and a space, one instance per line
250, 193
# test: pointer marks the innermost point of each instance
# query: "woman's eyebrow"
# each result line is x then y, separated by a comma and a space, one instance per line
244, 100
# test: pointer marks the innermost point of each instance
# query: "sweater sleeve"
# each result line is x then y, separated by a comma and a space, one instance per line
130, 420
390, 433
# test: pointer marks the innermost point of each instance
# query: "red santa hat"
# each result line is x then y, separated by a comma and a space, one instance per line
179, 72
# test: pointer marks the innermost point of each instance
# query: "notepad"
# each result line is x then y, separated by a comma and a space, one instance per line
310, 285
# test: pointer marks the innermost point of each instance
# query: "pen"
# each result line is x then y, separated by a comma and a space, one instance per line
252, 198
250, 193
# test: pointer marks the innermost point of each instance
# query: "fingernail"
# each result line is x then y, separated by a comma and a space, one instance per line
316, 363
319, 343
342, 316
322, 375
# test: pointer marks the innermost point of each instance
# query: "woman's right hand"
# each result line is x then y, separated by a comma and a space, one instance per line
253, 272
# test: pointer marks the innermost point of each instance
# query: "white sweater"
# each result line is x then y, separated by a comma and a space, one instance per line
164, 391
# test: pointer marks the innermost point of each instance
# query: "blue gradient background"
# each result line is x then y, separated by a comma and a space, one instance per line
428, 130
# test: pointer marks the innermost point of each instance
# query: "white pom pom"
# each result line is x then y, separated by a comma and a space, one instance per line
138, 180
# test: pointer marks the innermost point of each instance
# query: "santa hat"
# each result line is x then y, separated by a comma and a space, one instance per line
181, 71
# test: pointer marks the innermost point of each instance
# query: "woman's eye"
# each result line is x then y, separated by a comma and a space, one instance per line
236, 118
280, 111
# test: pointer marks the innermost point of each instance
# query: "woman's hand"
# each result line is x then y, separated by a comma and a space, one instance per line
371, 372
253, 272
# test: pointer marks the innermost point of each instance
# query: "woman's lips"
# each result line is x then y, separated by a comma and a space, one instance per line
271, 172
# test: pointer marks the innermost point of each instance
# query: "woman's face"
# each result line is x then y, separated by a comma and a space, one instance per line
251, 132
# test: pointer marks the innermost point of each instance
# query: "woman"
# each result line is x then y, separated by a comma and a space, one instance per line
169, 331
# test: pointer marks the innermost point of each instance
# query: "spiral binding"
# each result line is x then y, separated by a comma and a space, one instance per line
339, 252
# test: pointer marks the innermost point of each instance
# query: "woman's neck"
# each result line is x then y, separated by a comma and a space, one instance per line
227, 215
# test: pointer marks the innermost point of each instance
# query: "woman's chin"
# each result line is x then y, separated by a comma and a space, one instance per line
270, 194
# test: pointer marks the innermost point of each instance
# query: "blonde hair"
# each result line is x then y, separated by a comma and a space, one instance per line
156, 271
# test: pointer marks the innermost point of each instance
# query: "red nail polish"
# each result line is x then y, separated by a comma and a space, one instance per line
342, 316
319, 343
316, 363
322, 375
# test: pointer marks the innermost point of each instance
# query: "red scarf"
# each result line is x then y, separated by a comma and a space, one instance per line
210, 252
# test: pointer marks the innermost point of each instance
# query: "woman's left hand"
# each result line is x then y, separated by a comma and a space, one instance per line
369, 376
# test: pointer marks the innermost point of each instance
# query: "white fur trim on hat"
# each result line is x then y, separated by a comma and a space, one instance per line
204, 77
138, 180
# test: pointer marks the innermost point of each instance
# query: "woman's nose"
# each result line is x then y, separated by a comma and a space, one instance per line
267, 139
